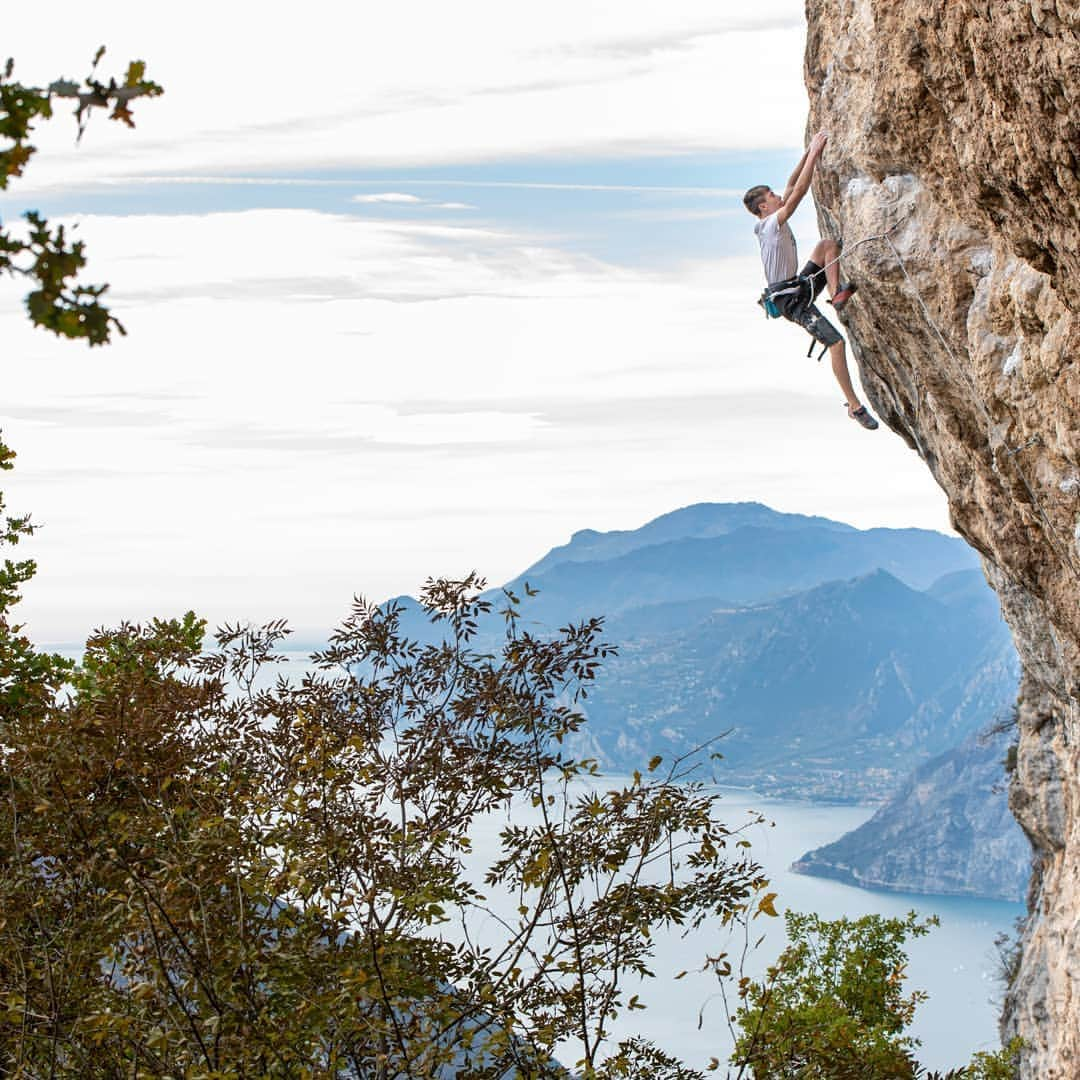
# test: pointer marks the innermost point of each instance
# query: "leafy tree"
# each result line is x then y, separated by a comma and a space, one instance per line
43, 255
833, 1007
210, 873
1000, 1065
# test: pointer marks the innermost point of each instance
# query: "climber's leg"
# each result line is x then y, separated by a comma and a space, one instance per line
824, 253
838, 356
823, 331
859, 413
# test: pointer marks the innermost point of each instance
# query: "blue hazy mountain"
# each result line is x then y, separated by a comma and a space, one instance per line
833, 692
948, 830
730, 553
698, 522
739, 554
837, 658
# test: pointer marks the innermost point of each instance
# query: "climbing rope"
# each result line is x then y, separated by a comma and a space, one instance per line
886, 235
1052, 535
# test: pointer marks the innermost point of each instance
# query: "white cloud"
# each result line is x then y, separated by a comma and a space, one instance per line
387, 197
569, 76
626, 189
676, 213
227, 180
527, 393
409, 200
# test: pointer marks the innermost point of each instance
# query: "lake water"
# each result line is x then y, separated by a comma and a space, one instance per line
955, 963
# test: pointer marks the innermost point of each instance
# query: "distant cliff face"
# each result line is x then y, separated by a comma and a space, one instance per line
947, 831
960, 123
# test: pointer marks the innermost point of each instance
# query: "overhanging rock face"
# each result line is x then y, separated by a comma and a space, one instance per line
957, 126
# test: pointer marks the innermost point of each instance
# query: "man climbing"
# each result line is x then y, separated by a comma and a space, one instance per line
792, 291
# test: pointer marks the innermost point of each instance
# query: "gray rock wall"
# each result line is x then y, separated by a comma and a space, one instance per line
959, 123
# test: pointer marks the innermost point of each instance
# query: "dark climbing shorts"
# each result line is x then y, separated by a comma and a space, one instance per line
800, 307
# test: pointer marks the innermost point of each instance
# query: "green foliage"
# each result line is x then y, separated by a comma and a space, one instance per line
29, 680
1008, 951
213, 874
833, 1006
1001, 1065
638, 1057
44, 255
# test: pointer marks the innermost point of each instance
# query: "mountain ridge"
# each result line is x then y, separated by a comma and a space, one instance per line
866, 666
947, 831
832, 692
698, 520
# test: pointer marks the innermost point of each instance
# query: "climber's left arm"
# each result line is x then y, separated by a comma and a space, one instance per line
793, 179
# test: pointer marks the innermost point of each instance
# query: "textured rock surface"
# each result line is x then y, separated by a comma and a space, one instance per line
959, 123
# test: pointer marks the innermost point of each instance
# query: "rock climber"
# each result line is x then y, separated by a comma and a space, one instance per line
793, 291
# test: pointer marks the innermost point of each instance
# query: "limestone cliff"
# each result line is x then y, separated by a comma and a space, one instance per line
959, 123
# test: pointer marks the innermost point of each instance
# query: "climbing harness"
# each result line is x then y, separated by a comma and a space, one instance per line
800, 281
781, 288
801, 287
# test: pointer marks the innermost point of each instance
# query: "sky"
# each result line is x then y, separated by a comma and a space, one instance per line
412, 290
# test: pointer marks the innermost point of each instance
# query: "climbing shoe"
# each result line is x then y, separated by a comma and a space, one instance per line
843, 294
862, 416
